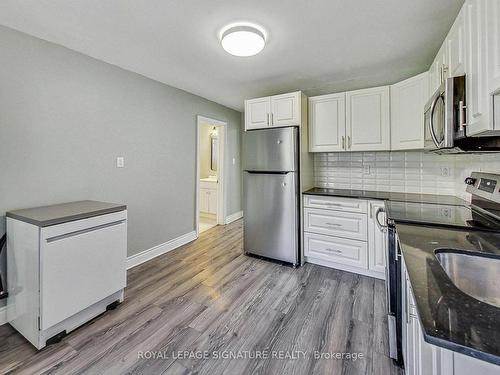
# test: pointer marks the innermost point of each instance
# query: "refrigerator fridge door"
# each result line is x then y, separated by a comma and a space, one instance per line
270, 150
271, 215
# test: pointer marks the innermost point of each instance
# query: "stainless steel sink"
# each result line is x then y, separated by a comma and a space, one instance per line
474, 275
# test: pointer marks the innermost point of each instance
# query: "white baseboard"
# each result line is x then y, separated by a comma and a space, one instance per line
234, 217
3, 315
158, 250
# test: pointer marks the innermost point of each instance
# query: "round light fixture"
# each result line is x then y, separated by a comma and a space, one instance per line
243, 39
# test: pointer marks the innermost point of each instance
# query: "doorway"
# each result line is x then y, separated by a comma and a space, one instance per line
210, 197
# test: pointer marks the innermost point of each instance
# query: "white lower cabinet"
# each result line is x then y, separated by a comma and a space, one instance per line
377, 237
63, 275
422, 358
336, 250
208, 197
342, 233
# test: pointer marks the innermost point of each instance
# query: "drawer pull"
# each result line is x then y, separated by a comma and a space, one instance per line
334, 224
335, 251
83, 231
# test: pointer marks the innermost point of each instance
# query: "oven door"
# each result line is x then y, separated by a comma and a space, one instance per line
435, 121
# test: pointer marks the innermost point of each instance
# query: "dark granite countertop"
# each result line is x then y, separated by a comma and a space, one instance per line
450, 318
65, 212
385, 195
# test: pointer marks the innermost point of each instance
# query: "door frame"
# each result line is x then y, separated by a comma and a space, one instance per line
221, 181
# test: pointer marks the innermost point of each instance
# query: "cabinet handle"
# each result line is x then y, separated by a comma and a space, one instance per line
334, 224
462, 114
268, 119
83, 231
272, 119
335, 251
349, 142
343, 143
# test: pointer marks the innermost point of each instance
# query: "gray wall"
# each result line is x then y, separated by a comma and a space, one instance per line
65, 117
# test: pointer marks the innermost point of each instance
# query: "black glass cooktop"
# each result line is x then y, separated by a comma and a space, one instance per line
440, 214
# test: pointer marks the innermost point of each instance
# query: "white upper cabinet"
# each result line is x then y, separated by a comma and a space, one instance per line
327, 123
368, 119
439, 70
277, 110
257, 113
477, 92
285, 109
408, 99
493, 22
455, 47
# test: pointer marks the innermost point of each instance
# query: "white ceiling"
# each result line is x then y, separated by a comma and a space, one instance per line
318, 46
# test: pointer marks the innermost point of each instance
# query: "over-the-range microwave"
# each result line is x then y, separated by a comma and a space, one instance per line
445, 121
445, 116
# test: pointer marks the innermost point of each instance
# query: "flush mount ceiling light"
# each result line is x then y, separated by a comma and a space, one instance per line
243, 39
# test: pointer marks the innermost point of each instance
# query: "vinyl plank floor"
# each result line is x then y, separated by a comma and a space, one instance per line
206, 308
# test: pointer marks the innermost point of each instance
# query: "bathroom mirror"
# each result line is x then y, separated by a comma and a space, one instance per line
214, 150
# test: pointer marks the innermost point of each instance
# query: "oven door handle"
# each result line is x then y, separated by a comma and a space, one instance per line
431, 121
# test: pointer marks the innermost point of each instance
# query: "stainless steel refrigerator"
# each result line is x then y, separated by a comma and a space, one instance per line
271, 193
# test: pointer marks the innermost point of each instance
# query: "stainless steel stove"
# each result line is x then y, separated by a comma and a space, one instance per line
482, 215
443, 215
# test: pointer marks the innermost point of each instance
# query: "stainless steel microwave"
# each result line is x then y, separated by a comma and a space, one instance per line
445, 115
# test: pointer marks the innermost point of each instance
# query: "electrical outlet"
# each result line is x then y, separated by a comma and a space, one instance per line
120, 162
366, 169
445, 171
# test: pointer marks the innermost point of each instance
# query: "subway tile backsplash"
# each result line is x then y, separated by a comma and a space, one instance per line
411, 171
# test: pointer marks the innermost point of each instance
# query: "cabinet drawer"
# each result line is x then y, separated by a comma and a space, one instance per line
334, 249
336, 223
336, 203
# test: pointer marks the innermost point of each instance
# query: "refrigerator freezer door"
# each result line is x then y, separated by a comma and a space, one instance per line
271, 216
270, 150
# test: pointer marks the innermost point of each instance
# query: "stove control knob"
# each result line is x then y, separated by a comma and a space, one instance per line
470, 181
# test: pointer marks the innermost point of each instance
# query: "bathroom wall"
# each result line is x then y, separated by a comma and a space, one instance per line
412, 171
205, 145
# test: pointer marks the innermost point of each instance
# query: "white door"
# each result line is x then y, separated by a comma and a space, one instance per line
408, 99
368, 119
81, 263
377, 238
455, 43
257, 113
327, 123
477, 90
285, 109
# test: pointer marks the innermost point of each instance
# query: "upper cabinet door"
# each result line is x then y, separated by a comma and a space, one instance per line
285, 109
327, 123
257, 113
455, 43
476, 63
408, 99
368, 119
493, 25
